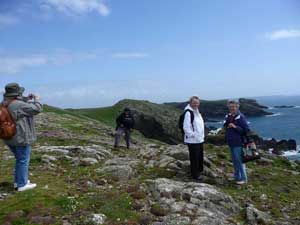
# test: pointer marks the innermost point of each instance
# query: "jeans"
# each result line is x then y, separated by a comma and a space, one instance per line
119, 134
240, 173
22, 155
196, 159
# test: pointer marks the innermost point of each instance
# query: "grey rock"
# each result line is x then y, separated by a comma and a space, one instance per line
179, 152
176, 220
195, 199
88, 161
97, 219
48, 158
255, 216
122, 172
165, 160
122, 161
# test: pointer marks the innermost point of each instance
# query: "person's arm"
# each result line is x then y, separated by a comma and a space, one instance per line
187, 125
118, 120
243, 127
226, 122
133, 123
31, 108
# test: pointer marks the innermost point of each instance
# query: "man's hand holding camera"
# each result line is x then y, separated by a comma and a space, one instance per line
36, 98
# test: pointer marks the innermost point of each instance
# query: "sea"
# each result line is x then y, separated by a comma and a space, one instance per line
283, 124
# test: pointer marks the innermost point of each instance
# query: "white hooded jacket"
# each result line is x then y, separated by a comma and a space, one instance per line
196, 135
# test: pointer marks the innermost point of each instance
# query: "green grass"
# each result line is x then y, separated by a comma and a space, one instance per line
276, 181
41, 201
63, 192
106, 115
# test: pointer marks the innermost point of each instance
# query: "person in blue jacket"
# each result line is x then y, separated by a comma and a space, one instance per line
236, 128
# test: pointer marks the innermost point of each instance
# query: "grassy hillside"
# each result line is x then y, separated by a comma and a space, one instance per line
157, 121
106, 115
70, 190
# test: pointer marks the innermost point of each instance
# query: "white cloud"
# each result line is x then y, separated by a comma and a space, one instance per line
129, 55
7, 20
77, 7
106, 92
48, 9
283, 34
14, 64
10, 65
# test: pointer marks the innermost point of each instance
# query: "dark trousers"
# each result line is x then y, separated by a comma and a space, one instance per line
196, 159
120, 132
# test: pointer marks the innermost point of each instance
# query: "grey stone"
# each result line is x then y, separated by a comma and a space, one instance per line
255, 216
88, 161
122, 172
97, 219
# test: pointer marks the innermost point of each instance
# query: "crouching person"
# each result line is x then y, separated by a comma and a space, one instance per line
22, 114
125, 124
193, 127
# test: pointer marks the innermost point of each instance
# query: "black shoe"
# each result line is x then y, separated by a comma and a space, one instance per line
198, 180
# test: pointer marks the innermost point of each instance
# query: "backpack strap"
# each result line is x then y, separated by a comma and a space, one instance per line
7, 103
192, 117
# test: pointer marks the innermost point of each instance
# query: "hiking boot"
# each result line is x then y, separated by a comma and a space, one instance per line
27, 187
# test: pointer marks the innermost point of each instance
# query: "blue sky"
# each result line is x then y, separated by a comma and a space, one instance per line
86, 53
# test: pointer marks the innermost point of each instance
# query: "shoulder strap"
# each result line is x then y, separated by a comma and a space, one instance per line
192, 117
7, 103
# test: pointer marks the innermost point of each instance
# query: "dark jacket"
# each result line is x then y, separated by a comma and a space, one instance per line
236, 137
23, 113
126, 121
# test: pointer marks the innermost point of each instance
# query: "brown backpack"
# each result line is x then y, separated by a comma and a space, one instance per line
8, 127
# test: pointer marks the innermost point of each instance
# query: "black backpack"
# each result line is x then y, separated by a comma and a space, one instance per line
181, 120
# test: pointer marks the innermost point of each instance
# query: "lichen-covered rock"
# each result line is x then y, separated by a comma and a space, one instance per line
175, 220
93, 151
122, 172
97, 219
201, 201
255, 216
88, 161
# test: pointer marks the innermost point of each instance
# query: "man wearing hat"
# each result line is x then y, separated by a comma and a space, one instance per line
125, 123
22, 112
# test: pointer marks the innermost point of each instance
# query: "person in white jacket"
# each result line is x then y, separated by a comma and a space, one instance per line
194, 133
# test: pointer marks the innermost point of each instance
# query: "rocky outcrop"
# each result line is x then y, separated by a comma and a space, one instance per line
78, 155
277, 146
175, 159
284, 106
121, 168
218, 109
199, 203
156, 121
255, 216
160, 121
87, 181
